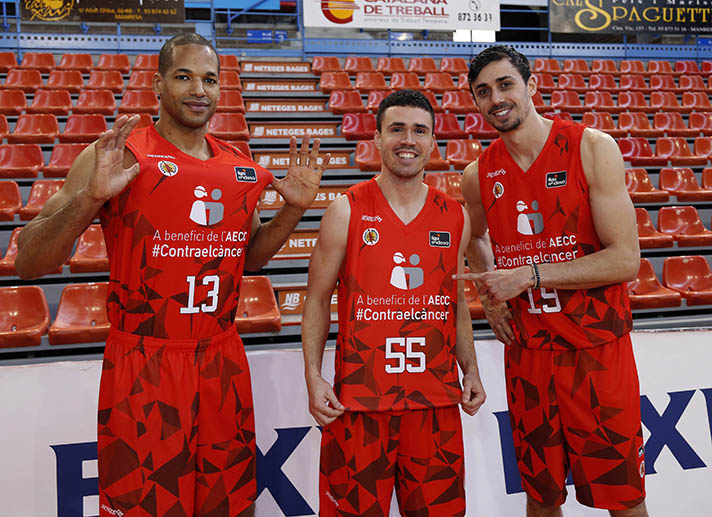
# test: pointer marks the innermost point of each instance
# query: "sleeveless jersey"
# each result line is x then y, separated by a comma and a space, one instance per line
544, 215
177, 237
397, 305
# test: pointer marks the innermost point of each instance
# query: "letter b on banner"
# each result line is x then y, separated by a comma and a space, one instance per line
72, 487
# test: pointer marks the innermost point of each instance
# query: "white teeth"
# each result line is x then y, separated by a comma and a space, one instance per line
406, 156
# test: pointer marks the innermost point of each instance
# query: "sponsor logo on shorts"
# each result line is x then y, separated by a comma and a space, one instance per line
555, 179
112, 511
332, 498
370, 236
167, 168
497, 190
246, 174
439, 239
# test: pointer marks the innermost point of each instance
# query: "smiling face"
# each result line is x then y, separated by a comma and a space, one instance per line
405, 140
189, 89
502, 96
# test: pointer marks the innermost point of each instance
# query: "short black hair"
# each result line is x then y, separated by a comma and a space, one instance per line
410, 98
165, 56
496, 53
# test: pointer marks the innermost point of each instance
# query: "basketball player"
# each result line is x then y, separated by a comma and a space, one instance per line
562, 243
393, 244
177, 206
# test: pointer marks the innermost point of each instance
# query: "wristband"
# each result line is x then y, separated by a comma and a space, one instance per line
535, 274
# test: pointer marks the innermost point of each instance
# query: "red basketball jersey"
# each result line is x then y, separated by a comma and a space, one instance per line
177, 237
398, 304
544, 215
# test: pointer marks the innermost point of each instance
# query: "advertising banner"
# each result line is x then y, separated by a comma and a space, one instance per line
49, 414
444, 15
616, 16
144, 11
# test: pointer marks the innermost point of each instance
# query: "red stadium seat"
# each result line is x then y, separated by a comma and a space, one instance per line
698, 101
90, 255
600, 101
544, 82
706, 67
24, 316
63, 156
388, 65
41, 128
703, 146
633, 82
41, 191
70, 80
641, 189
358, 126
691, 277
646, 291
82, 62
701, 121
604, 82
666, 101
25, 80
8, 60
403, 80
657, 67
375, 98
566, 101
632, 66
681, 182
231, 100
20, 160
692, 83
106, 80
448, 182
83, 128
4, 128
355, 64
454, 65
229, 62
474, 304
547, 65
321, 64
538, 101
10, 200
478, 127
147, 62
7, 263
672, 124
229, 126
438, 82
369, 81
648, 236
637, 151
118, 62
436, 162
42, 61
57, 102
139, 101
575, 66
422, 65
346, 101
663, 83
95, 101
331, 81
707, 178
230, 80
257, 309
604, 66
687, 66
141, 80
459, 101
12, 102
685, 226
603, 122
572, 82
460, 153
367, 156
634, 101
447, 126
81, 315
636, 123
463, 83
437, 108
676, 150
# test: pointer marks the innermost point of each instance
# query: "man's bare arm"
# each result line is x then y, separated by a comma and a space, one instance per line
324, 265
101, 171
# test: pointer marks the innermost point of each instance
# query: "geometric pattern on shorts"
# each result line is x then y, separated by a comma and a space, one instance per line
364, 454
569, 410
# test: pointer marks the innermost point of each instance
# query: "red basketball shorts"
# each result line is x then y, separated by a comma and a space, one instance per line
577, 410
364, 454
176, 427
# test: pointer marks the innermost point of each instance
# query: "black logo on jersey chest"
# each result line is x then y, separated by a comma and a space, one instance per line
555, 179
246, 174
440, 239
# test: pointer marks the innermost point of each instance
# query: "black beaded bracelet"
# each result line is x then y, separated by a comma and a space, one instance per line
537, 278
